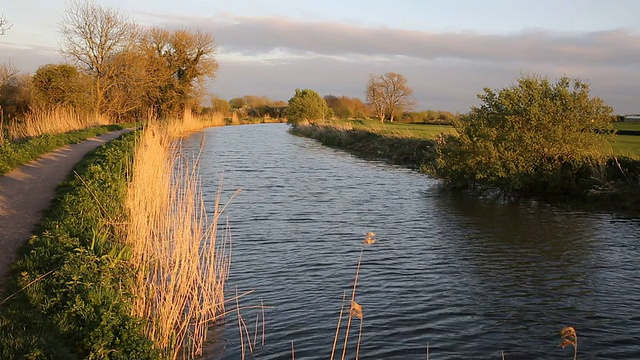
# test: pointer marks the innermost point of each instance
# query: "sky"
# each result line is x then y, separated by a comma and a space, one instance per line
448, 50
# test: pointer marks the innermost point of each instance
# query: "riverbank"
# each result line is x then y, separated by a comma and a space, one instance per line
615, 186
68, 295
101, 282
372, 143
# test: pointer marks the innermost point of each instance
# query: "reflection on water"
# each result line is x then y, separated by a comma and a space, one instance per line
470, 276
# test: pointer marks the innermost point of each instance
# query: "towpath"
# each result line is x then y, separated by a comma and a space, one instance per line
28, 190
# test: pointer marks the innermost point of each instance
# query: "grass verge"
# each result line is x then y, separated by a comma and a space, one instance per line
69, 295
14, 154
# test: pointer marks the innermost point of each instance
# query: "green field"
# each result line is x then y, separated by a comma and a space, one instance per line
635, 126
627, 144
624, 144
417, 131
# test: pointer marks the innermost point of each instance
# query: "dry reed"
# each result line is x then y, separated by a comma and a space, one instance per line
355, 309
56, 120
569, 337
182, 262
191, 123
234, 118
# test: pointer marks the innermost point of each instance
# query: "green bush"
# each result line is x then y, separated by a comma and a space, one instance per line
307, 105
534, 136
75, 275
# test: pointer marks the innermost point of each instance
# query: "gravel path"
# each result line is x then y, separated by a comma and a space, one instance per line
28, 190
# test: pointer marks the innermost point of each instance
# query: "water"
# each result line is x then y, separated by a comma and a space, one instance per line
469, 276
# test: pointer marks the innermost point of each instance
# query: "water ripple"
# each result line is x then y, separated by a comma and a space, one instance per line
469, 276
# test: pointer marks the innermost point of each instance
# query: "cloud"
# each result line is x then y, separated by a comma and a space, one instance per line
27, 58
258, 35
273, 56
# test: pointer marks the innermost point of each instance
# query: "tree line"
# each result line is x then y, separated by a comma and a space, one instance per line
388, 98
115, 68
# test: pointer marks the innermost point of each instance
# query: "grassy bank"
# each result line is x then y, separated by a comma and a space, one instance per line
615, 185
16, 153
69, 296
397, 144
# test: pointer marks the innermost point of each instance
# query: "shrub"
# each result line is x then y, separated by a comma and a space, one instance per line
534, 136
307, 105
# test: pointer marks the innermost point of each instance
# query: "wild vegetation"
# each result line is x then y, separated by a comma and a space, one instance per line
137, 272
70, 293
307, 104
345, 107
117, 71
372, 140
181, 263
535, 136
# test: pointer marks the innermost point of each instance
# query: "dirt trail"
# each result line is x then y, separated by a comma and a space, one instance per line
28, 190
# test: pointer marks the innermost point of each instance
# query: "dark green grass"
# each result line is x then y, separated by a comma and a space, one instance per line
70, 296
628, 145
630, 126
14, 154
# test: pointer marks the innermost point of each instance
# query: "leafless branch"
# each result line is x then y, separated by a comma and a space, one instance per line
4, 25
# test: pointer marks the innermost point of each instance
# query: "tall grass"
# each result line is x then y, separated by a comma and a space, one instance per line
191, 123
181, 259
56, 120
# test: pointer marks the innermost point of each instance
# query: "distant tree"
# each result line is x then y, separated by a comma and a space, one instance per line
375, 97
7, 71
533, 136
93, 36
345, 107
428, 116
237, 103
307, 105
62, 85
219, 105
4, 25
15, 96
253, 101
388, 95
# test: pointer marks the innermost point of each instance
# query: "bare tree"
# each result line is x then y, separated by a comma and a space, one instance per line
4, 25
387, 94
375, 97
95, 37
7, 71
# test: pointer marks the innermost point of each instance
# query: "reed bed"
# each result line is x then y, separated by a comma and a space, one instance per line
56, 120
191, 123
182, 262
